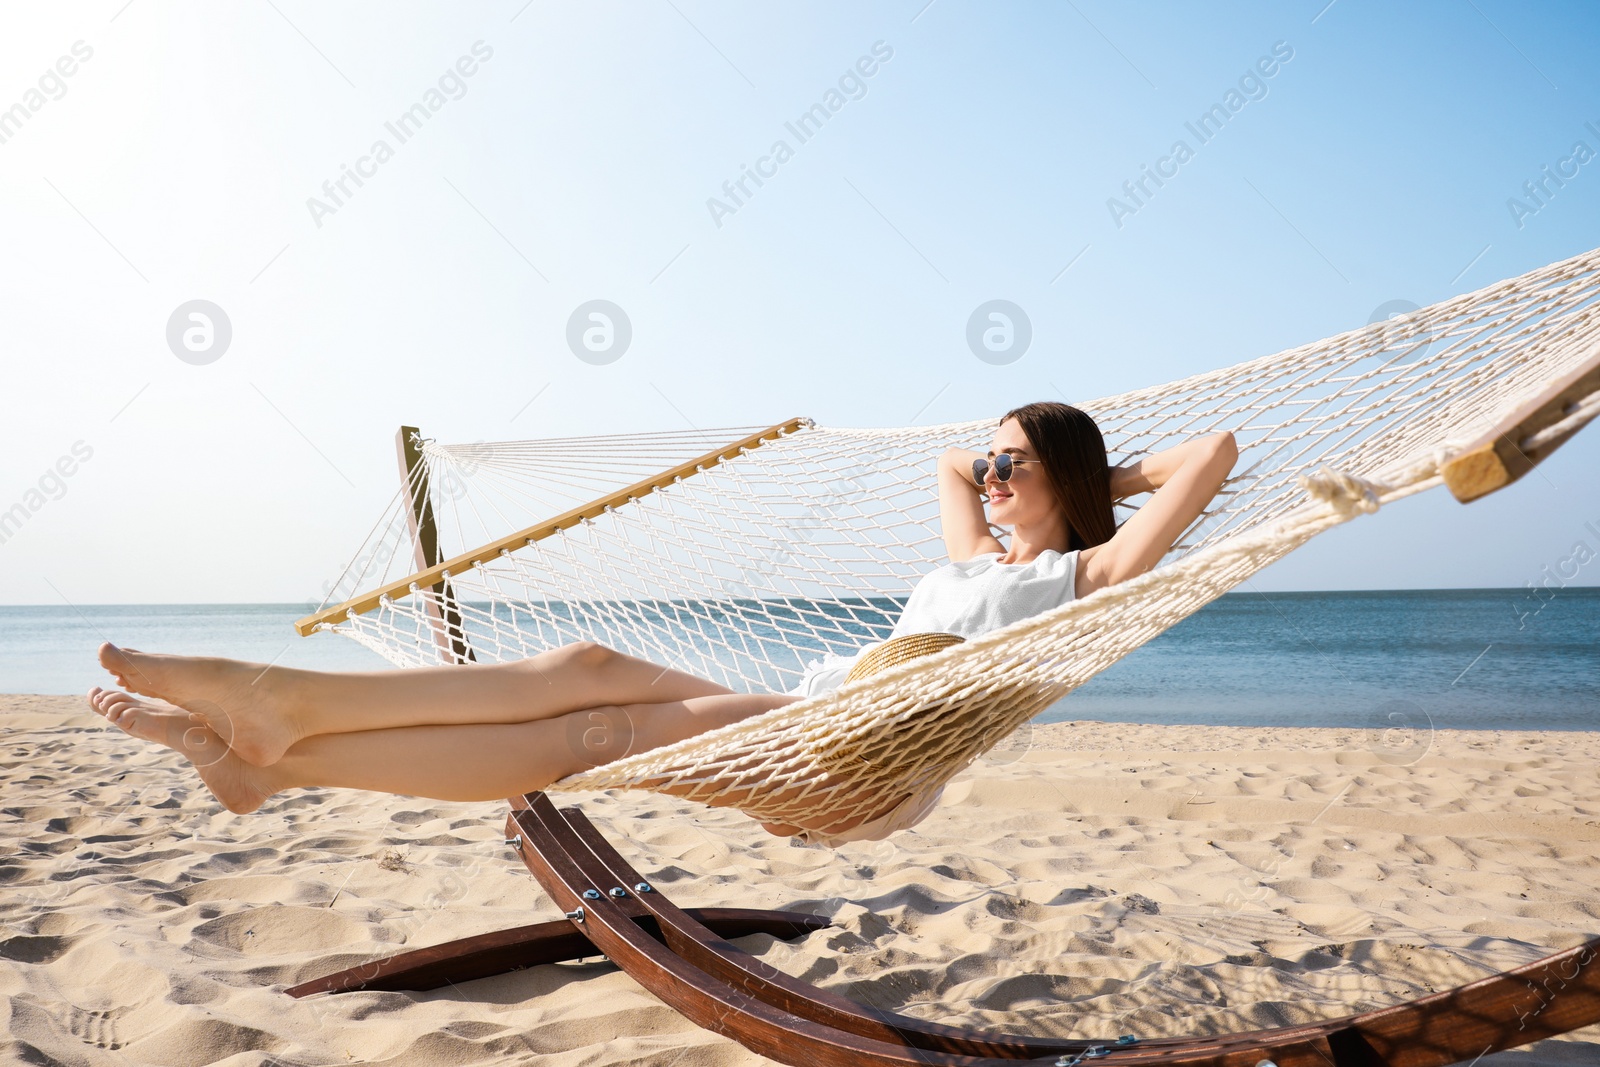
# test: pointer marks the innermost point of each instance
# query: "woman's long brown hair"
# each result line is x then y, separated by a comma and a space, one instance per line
1073, 453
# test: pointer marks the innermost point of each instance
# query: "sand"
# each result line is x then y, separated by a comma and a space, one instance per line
1085, 879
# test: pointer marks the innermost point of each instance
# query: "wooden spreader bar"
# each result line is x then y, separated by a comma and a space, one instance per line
436, 575
683, 957
1504, 454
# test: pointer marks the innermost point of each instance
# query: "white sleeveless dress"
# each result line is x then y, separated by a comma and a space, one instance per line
969, 598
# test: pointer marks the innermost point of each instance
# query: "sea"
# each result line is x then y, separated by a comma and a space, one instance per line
1471, 659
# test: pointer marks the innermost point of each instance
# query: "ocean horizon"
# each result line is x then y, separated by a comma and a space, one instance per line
1479, 659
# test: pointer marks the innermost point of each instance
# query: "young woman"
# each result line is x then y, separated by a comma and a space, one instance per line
486, 732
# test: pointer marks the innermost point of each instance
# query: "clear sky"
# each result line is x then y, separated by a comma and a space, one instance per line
570, 156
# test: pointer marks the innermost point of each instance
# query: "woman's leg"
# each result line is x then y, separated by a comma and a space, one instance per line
485, 761
261, 710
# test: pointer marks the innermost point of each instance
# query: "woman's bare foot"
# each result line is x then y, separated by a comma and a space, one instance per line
240, 786
241, 702
143, 719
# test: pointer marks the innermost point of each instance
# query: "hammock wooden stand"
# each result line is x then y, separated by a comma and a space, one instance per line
683, 957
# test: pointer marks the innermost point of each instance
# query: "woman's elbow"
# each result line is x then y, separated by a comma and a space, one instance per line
955, 460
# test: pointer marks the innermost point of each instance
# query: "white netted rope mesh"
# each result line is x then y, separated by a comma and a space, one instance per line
743, 572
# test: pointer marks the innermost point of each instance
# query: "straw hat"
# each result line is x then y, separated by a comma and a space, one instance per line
898, 650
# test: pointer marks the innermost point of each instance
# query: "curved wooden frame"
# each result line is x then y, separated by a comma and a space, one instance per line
684, 958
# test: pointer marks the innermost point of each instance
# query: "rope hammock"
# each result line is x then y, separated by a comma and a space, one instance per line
740, 554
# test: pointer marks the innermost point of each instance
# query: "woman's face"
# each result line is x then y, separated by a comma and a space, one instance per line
1026, 499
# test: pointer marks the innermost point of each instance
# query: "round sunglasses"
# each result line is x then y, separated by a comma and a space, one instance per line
1004, 465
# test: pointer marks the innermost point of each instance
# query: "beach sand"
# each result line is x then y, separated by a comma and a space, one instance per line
1085, 879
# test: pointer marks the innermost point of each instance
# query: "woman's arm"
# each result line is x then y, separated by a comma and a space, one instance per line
1185, 479
1155, 470
961, 515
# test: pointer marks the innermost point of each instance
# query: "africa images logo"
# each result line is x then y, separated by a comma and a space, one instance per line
852, 85
1252, 85
51, 84
452, 85
52, 485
